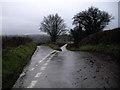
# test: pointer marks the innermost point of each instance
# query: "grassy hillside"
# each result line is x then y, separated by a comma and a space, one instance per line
14, 58
104, 37
106, 42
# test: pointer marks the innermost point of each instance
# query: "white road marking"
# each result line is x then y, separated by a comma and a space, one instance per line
47, 56
32, 84
43, 68
32, 69
38, 74
52, 55
48, 61
40, 61
46, 64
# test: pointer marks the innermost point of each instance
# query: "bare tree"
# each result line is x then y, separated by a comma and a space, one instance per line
53, 25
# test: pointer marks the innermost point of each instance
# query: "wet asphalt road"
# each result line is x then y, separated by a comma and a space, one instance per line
67, 69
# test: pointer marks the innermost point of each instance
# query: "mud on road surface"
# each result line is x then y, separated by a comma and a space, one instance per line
67, 69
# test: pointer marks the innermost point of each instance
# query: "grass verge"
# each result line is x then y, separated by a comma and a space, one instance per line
13, 62
112, 50
53, 46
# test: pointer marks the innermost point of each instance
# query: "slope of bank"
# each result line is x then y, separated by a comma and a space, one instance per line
105, 42
13, 61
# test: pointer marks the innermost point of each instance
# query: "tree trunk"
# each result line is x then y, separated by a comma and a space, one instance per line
53, 39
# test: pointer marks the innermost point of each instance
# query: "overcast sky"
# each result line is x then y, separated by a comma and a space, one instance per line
25, 17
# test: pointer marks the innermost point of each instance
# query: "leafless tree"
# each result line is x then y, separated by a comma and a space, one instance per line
54, 26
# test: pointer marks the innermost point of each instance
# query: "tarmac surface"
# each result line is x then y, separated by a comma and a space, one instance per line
49, 68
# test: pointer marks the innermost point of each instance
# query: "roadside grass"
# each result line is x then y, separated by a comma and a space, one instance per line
113, 50
105, 42
13, 62
0, 73
107, 49
53, 46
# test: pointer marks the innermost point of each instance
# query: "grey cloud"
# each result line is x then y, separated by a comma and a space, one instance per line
21, 18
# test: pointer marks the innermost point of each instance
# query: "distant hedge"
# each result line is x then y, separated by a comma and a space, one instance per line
14, 41
103, 37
